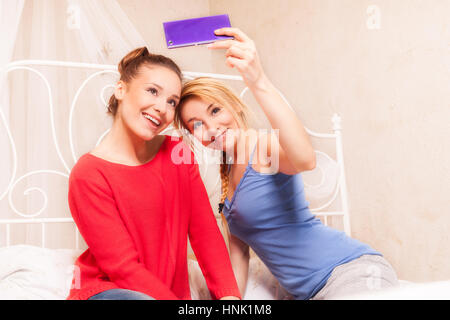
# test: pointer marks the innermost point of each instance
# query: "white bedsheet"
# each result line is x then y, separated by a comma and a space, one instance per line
437, 290
34, 273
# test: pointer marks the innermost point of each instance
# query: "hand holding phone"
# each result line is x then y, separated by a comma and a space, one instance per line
189, 32
241, 53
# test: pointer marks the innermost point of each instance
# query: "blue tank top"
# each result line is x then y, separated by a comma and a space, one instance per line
269, 212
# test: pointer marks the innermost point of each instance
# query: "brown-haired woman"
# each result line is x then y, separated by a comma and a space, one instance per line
135, 207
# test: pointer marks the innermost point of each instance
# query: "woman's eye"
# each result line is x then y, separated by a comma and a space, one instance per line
215, 110
173, 103
152, 91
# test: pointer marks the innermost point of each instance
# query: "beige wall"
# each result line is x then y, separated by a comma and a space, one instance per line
391, 87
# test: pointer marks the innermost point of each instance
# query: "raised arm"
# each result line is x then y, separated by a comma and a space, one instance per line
296, 151
95, 213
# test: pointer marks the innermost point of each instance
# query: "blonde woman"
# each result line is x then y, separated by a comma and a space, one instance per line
264, 204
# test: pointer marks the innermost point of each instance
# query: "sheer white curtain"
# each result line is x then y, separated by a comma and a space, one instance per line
79, 31
10, 14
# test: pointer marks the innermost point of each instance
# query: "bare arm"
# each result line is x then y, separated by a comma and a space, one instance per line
239, 256
293, 145
296, 152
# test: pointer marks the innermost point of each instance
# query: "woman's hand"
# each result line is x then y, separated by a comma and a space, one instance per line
241, 54
229, 298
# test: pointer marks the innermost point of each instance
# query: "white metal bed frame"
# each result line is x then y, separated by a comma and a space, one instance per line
99, 69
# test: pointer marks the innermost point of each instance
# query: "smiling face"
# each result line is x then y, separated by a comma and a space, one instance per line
147, 102
210, 123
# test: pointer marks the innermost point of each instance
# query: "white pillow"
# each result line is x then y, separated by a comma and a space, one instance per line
34, 273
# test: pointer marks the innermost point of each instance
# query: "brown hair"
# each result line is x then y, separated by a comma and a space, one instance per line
130, 65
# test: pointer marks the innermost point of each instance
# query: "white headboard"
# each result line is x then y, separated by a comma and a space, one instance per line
335, 186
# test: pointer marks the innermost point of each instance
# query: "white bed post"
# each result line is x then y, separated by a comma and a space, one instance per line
337, 128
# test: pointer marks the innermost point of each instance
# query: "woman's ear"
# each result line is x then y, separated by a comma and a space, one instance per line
120, 89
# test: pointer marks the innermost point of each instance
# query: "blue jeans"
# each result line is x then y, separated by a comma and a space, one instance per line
120, 294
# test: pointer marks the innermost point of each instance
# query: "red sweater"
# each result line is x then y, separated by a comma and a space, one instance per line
136, 221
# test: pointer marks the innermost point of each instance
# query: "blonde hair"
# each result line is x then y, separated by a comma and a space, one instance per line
212, 90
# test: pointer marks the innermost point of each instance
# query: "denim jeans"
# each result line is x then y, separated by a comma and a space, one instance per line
120, 294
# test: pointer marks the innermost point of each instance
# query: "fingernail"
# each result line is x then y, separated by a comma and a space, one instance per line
217, 30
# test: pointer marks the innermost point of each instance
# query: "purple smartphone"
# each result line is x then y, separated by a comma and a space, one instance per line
189, 32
